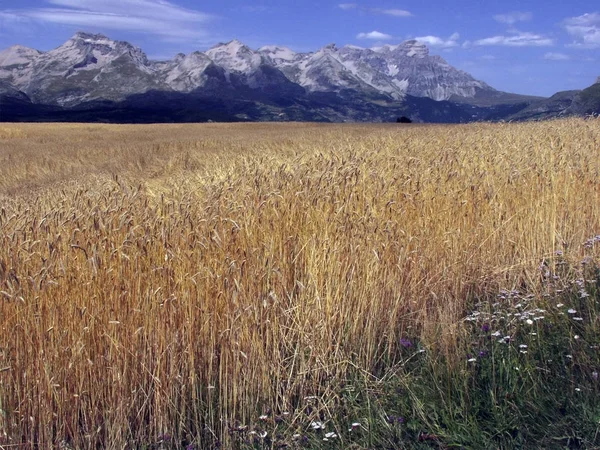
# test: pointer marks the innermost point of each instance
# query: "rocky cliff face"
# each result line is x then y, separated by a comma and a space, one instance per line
411, 69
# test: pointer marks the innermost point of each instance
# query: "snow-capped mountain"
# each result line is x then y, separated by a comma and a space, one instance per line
424, 75
277, 55
396, 70
187, 73
91, 68
87, 67
235, 57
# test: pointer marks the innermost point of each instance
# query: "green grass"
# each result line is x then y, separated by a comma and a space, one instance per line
526, 377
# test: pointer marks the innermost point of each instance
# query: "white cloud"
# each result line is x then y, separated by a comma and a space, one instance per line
513, 17
347, 6
585, 29
435, 41
550, 56
518, 39
375, 35
396, 12
154, 17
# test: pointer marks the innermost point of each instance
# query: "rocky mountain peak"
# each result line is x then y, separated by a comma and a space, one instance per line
275, 52
597, 81
17, 55
234, 56
89, 37
411, 49
415, 46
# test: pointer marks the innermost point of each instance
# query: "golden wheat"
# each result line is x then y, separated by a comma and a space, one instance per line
181, 279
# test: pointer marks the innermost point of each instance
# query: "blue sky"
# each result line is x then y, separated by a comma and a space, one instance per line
528, 46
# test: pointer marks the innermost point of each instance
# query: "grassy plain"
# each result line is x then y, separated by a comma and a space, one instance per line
300, 285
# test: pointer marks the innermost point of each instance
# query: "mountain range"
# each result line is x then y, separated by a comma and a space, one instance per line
93, 78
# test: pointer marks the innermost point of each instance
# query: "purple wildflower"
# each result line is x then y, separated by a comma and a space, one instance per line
405, 342
485, 327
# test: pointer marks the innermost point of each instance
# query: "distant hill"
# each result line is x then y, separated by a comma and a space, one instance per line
567, 103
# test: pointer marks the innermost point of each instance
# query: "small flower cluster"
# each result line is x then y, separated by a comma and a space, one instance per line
589, 243
512, 308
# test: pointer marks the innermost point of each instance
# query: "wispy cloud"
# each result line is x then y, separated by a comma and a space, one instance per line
11, 22
374, 35
154, 17
585, 29
387, 12
513, 17
394, 12
435, 41
518, 39
551, 56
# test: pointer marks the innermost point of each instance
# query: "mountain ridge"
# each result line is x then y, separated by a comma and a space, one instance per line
333, 83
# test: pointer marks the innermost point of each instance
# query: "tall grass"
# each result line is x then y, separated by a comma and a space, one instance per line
170, 285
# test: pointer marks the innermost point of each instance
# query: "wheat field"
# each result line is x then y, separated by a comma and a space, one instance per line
167, 284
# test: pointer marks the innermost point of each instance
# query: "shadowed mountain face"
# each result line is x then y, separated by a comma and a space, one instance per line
91, 77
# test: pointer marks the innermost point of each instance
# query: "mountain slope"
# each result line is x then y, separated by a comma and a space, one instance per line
567, 103
587, 101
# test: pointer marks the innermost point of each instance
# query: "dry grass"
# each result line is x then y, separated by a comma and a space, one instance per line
181, 279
